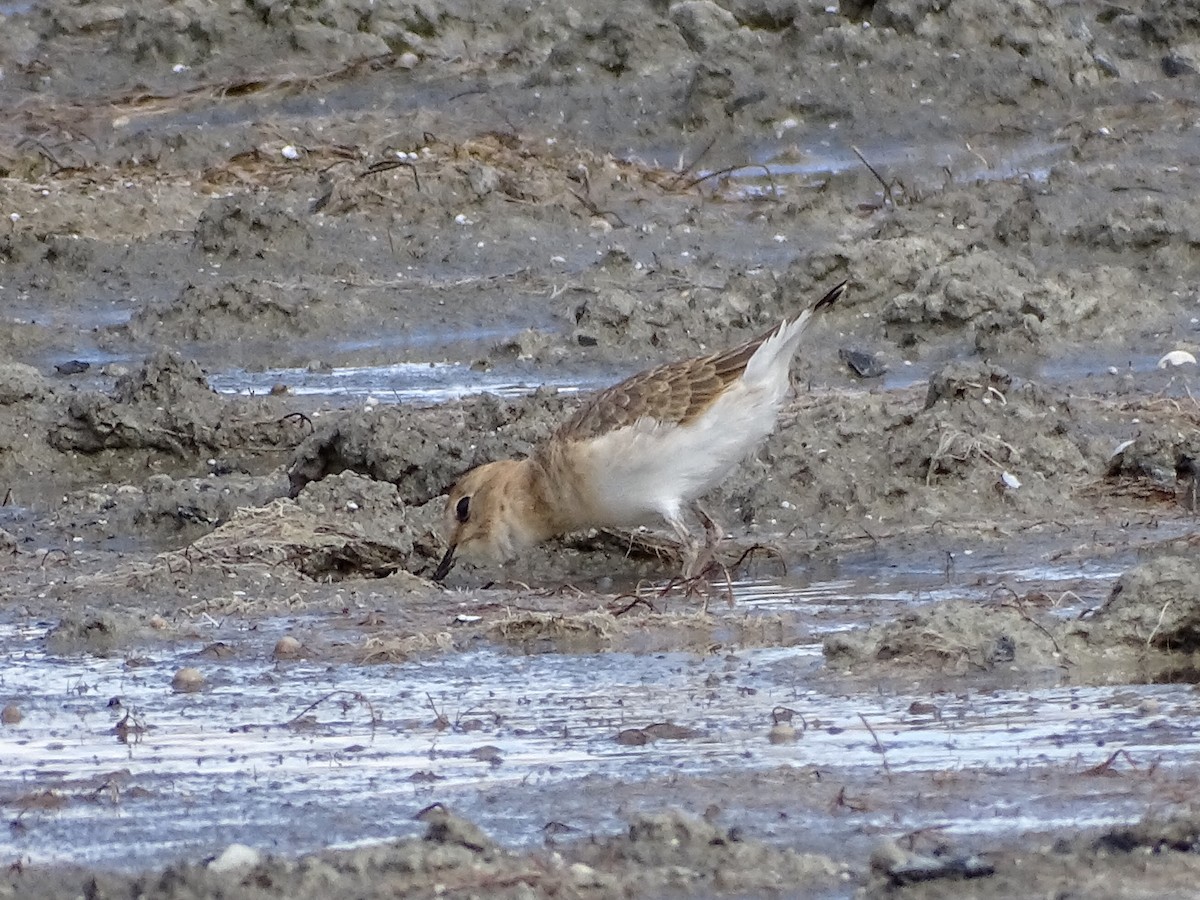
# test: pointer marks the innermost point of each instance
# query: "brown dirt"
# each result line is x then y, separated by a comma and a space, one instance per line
307, 186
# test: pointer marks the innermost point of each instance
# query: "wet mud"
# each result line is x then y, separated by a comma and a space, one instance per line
274, 275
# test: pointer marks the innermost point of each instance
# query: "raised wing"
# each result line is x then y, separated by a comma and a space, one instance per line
675, 393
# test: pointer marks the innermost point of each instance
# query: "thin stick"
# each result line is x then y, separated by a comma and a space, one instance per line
878, 746
887, 188
695, 162
728, 169
354, 695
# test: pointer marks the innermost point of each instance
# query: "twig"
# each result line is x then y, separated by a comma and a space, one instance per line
300, 417
1157, 625
440, 721
1106, 767
887, 188
728, 169
634, 600
695, 162
66, 557
387, 165
591, 207
878, 746
1038, 625
357, 696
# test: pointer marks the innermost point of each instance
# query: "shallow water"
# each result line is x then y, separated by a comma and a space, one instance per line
533, 738
436, 382
526, 729
404, 382
779, 168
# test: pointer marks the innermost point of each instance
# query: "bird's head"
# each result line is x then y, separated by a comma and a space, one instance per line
488, 516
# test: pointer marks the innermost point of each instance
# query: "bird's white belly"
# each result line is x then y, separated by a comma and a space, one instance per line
648, 470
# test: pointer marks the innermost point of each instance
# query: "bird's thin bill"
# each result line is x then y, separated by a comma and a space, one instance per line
445, 565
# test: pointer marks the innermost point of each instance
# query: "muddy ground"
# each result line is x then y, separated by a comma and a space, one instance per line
267, 192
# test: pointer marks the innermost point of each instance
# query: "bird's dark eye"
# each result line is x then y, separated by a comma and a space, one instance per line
463, 510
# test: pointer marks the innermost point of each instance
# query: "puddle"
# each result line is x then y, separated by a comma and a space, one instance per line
403, 382
266, 746
780, 167
1098, 362
828, 594
19, 8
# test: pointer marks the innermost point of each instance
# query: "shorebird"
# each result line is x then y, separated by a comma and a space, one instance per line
643, 449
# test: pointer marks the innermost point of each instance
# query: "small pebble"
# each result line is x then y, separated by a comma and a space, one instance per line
782, 733
157, 622
287, 647
234, 858
11, 714
187, 680
78, 366
584, 876
886, 856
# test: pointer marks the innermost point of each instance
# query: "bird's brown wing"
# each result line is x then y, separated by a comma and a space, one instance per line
675, 393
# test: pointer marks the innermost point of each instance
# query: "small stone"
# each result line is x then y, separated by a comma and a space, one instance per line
187, 680
11, 714
864, 365
236, 858
157, 622
887, 856
79, 366
287, 647
632, 737
584, 876
447, 828
782, 733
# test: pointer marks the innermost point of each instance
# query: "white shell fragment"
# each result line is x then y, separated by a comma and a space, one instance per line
1010, 481
1120, 448
290, 152
1177, 358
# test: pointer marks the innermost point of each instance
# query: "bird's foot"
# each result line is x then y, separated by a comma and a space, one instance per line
703, 582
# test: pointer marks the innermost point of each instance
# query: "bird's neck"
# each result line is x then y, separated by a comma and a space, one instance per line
536, 515
556, 493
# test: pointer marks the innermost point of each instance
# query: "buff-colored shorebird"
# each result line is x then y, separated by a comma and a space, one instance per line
646, 448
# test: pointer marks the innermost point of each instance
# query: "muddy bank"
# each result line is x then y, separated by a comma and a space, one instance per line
957, 635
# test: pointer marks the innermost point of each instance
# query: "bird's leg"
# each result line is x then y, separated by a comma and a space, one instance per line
688, 545
712, 534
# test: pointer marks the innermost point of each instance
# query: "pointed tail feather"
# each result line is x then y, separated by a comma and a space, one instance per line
830, 298
786, 338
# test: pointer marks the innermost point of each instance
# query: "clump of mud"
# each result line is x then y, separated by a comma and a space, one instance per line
423, 453
956, 638
1153, 617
